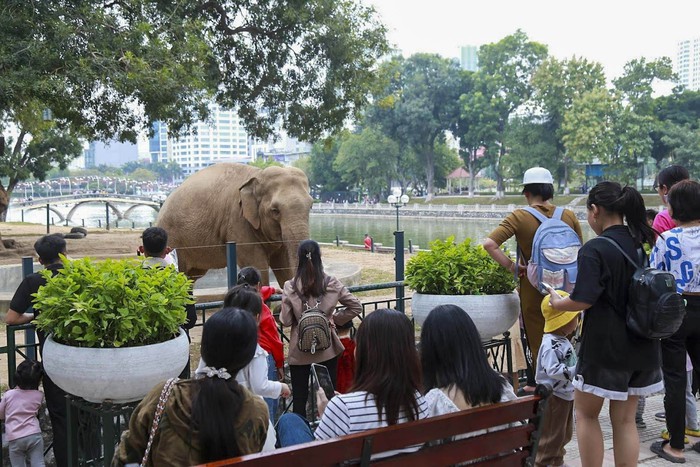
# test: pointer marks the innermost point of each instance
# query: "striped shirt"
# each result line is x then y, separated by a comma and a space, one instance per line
355, 412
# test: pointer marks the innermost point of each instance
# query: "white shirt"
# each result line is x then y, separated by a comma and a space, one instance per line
356, 412
678, 252
253, 376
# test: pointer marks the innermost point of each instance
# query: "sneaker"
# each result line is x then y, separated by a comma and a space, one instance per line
690, 432
660, 416
665, 435
641, 424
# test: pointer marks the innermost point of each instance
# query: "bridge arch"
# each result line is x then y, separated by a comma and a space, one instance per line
51, 208
127, 213
114, 209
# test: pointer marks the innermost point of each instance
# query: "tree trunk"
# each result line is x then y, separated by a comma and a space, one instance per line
472, 173
500, 185
429, 173
4, 202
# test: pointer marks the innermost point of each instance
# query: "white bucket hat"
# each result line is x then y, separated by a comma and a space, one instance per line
537, 175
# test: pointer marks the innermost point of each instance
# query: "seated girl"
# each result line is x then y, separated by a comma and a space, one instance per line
383, 393
456, 371
207, 419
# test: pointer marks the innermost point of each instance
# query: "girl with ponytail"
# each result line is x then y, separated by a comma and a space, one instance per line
311, 287
613, 363
207, 419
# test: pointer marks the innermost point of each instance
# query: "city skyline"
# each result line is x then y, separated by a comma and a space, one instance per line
611, 33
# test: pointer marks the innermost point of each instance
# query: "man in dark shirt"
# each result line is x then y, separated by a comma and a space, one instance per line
48, 247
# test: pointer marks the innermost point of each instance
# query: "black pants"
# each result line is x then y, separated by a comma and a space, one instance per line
56, 403
300, 383
673, 350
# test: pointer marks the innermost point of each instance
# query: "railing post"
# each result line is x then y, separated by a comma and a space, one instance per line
410, 246
337, 241
231, 264
29, 337
11, 358
22, 215
107, 212
48, 219
399, 260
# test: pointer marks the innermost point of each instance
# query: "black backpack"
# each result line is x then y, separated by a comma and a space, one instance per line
655, 310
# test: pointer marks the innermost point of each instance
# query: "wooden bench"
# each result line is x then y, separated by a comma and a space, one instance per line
513, 446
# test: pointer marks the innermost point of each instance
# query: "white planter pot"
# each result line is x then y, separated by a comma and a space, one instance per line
117, 374
492, 314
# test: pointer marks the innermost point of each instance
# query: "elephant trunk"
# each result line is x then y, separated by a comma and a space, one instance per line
292, 236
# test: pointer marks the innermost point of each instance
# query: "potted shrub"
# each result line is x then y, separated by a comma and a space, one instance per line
113, 327
463, 274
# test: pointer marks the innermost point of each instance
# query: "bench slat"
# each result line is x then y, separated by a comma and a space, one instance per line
339, 450
504, 441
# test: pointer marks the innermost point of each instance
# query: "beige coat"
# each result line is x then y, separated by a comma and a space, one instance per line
292, 307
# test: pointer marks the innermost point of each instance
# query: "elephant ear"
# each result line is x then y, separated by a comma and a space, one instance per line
250, 202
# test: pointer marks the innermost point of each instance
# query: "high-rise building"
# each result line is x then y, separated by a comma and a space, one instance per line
688, 63
222, 138
468, 57
158, 143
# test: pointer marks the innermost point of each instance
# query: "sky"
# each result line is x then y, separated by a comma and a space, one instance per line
611, 32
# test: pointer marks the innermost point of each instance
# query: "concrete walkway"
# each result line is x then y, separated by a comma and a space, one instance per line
646, 436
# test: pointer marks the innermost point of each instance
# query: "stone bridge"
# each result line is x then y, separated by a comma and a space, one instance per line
75, 201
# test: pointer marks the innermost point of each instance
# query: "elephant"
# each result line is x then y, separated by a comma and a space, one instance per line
265, 211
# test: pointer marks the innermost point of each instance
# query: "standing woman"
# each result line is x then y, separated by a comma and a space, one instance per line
613, 363
678, 252
664, 181
311, 287
538, 189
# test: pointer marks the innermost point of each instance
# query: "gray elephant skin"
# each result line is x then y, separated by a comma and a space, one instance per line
265, 211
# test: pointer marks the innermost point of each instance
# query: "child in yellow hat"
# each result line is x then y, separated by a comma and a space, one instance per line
556, 366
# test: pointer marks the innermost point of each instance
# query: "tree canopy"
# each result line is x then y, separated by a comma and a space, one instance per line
103, 70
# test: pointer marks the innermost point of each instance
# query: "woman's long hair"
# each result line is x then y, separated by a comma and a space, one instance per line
625, 201
452, 356
229, 340
309, 276
387, 364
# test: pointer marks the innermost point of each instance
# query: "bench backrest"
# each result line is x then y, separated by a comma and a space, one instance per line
513, 446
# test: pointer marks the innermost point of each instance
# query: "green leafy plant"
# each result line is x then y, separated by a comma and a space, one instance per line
112, 303
450, 268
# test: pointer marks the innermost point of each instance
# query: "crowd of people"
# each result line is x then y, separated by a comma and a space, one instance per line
229, 407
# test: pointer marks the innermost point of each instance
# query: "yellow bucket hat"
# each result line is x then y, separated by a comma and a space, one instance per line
554, 319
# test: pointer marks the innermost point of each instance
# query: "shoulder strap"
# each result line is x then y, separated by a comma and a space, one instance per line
558, 211
538, 215
616, 245
164, 395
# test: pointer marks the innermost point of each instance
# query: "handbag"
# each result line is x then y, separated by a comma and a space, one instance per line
164, 394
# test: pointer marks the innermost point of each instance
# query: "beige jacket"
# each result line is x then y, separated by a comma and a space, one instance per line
292, 307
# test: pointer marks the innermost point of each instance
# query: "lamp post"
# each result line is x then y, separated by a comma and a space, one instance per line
398, 202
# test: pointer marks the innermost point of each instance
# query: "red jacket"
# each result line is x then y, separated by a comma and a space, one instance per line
268, 333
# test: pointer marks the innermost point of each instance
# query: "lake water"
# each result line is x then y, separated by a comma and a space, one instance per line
324, 228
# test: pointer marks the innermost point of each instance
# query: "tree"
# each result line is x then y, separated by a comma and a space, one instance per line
368, 160
106, 69
636, 123
24, 157
530, 142
675, 114
587, 130
418, 104
503, 85
322, 175
557, 85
